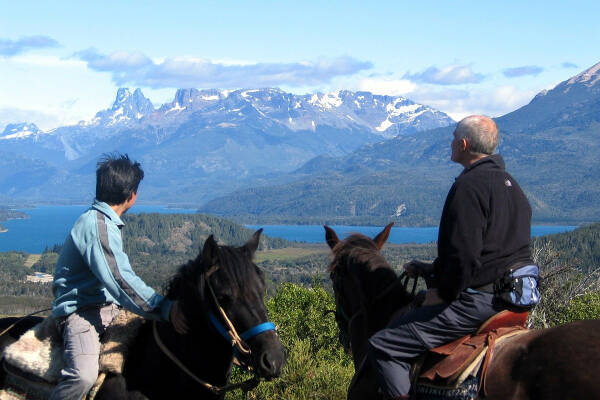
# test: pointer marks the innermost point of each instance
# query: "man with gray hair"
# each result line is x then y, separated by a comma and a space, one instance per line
484, 231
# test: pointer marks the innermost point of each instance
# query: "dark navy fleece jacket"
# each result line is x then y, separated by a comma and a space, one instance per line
484, 230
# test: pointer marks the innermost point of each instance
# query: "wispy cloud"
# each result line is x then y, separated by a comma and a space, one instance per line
449, 75
386, 86
12, 115
459, 103
139, 70
516, 72
9, 48
569, 65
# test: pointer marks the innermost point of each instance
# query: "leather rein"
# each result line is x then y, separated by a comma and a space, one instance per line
230, 334
339, 310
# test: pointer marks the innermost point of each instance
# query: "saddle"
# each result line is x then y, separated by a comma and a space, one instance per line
33, 363
450, 365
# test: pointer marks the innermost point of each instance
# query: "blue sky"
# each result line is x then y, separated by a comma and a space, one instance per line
60, 62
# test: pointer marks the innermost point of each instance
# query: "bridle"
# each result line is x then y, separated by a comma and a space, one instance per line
342, 315
229, 332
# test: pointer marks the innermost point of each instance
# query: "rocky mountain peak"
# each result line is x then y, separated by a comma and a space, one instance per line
589, 77
19, 130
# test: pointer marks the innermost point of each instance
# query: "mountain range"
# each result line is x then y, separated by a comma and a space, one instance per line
204, 143
550, 145
264, 155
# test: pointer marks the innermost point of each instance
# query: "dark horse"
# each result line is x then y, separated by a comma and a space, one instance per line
556, 363
220, 278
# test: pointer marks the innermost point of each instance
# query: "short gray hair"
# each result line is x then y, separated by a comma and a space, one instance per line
480, 131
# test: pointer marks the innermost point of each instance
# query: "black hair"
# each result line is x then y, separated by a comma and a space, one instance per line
117, 178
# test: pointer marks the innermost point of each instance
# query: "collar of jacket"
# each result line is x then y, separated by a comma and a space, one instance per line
105, 209
493, 161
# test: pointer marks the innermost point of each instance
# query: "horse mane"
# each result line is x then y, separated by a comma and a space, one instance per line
236, 265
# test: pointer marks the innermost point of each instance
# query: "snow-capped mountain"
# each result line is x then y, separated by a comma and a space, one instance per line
385, 116
550, 146
213, 140
19, 131
128, 107
576, 99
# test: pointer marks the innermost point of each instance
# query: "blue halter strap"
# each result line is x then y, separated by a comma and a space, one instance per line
249, 334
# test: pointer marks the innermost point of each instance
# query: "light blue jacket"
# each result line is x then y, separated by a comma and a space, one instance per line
93, 269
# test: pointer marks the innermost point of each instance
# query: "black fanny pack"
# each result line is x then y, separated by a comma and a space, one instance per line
519, 287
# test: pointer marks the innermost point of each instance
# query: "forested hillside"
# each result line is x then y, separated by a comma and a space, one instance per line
579, 248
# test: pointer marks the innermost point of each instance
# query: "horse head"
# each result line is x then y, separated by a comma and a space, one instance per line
362, 280
224, 290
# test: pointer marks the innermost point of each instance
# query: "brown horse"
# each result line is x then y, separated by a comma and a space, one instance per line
556, 363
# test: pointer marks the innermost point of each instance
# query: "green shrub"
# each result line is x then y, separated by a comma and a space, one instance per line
583, 307
316, 365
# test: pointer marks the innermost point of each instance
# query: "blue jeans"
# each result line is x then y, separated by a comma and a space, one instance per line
81, 339
393, 349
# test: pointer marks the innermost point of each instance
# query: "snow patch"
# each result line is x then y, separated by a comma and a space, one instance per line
393, 110
176, 108
384, 125
328, 101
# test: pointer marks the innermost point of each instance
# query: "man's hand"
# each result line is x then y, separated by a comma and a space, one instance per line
178, 319
417, 268
432, 298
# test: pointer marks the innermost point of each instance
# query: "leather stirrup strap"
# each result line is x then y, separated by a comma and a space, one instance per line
489, 354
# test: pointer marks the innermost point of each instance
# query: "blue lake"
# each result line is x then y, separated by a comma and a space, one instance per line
398, 235
49, 225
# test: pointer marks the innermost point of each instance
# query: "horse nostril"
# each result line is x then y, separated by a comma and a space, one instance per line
267, 364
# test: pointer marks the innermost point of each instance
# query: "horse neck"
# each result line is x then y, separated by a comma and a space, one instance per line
377, 312
202, 350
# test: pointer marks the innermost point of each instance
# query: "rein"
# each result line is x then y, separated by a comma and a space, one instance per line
22, 318
230, 334
403, 278
218, 390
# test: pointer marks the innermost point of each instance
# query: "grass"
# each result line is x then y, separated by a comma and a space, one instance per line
288, 253
32, 259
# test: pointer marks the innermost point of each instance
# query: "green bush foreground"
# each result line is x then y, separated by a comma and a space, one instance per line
316, 367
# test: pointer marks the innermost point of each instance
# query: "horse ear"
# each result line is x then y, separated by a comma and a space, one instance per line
209, 252
383, 236
331, 237
252, 244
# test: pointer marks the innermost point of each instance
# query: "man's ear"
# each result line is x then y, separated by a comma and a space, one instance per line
464, 144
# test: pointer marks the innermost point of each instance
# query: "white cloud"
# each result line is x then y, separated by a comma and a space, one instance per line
9, 48
47, 61
385, 86
448, 75
458, 103
44, 121
138, 70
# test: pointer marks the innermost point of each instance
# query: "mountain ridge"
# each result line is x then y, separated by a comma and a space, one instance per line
550, 145
208, 142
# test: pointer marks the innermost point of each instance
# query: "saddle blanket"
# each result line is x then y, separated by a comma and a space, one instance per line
36, 359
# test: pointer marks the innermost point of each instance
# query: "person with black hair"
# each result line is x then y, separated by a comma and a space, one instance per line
93, 278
